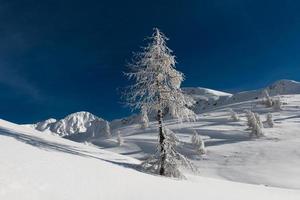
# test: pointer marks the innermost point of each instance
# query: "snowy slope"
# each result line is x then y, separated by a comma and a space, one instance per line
205, 100
205, 97
231, 154
212, 99
36, 166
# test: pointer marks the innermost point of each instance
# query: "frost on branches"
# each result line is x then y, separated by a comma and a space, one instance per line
254, 123
107, 129
144, 118
277, 104
157, 89
173, 159
269, 120
267, 99
120, 139
233, 115
198, 143
274, 102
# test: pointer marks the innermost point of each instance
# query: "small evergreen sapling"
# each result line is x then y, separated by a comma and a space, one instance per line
254, 123
107, 129
277, 104
269, 120
267, 99
234, 116
144, 118
198, 143
120, 139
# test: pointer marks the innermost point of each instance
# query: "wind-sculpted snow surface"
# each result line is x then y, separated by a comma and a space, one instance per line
36, 166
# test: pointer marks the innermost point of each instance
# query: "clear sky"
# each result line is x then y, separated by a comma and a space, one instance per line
63, 56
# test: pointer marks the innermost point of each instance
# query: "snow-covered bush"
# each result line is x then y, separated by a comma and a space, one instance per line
144, 118
107, 129
173, 160
120, 139
234, 116
274, 102
277, 103
198, 143
254, 123
267, 100
258, 120
269, 120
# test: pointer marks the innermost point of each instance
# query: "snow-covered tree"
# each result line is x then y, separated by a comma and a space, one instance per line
120, 139
144, 118
267, 99
258, 120
234, 116
277, 103
107, 129
269, 120
254, 123
157, 87
198, 143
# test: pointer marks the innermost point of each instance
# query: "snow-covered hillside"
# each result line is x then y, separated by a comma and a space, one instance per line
231, 155
207, 99
36, 166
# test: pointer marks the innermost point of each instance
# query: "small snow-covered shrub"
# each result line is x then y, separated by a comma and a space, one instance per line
107, 129
269, 120
254, 123
277, 103
144, 118
120, 139
258, 120
198, 143
267, 100
173, 161
274, 102
233, 115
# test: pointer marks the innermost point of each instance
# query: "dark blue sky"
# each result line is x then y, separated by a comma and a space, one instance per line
58, 57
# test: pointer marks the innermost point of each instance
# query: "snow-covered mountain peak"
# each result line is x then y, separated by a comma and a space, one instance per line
82, 116
80, 122
74, 123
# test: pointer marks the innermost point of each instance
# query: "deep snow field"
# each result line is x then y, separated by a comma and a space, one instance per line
38, 166
273, 160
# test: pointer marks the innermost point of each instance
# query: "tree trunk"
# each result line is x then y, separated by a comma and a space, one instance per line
161, 141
